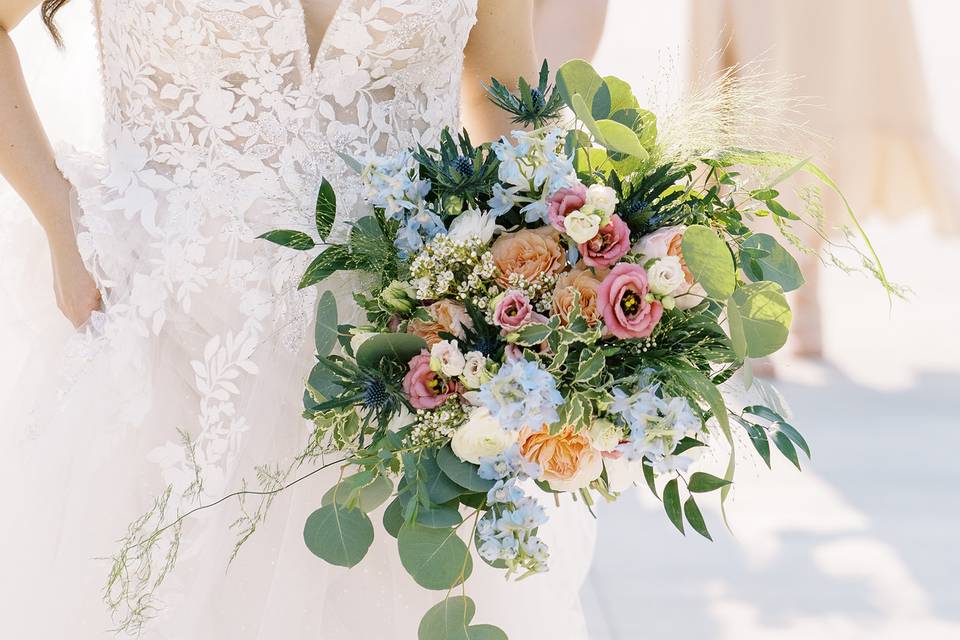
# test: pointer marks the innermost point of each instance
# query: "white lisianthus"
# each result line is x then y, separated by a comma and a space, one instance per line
605, 435
591, 466
582, 226
473, 224
475, 373
603, 198
665, 275
445, 358
481, 436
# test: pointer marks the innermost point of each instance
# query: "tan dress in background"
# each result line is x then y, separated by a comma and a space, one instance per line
859, 62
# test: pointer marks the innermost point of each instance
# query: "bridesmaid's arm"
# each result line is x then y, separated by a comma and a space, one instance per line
28, 164
501, 46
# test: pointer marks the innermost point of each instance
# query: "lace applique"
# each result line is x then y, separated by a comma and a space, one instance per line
218, 129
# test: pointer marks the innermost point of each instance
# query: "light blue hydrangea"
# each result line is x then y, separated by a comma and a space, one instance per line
522, 394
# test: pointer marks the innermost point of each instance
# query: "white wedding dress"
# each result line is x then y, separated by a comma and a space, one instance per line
218, 128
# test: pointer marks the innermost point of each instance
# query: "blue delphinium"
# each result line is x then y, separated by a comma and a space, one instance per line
656, 425
417, 229
393, 183
506, 532
508, 464
522, 394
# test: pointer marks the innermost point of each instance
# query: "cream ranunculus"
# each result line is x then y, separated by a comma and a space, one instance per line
481, 436
445, 358
665, 275
582, 226
603, 198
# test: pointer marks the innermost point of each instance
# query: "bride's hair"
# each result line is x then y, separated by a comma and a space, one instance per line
48, 10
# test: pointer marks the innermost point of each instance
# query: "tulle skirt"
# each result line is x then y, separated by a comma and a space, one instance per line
111, 424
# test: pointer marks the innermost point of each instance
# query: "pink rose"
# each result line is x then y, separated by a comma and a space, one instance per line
609, 245
623, 302
424, 387
515, 311
563, 202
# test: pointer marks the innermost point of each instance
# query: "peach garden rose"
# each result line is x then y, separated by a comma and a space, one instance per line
528, 254
586, 282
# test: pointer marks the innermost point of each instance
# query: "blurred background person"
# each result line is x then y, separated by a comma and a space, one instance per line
568, 29
858, 64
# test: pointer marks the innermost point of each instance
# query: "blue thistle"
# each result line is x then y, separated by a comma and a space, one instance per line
464, 166
375, 393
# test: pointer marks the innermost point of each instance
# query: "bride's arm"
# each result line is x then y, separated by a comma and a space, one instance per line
27, 162
501, 46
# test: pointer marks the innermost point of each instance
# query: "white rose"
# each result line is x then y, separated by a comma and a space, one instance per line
475, 373
605, 435
622, 473
481, 436
582, 226
445, 357
603, 198
665, 276
591, 466
472, 223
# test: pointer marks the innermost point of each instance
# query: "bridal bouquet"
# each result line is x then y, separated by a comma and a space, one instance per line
549, 316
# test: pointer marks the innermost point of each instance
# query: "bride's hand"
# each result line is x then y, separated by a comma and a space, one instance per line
77, 293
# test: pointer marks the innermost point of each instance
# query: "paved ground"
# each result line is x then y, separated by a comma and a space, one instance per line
861, 544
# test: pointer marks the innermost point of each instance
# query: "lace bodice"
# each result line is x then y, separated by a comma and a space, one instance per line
219, 128
223, 90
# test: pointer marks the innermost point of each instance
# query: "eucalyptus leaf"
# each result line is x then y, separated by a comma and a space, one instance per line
450, 620
462, 473
393, 517
765, 316
600, 105
400, 347
709, 260
437, 559
619, 137
369, 492
441, 516
577, 77
338, 535
777, 266
621, 94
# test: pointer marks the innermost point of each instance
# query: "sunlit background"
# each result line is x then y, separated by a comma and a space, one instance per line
860, 545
